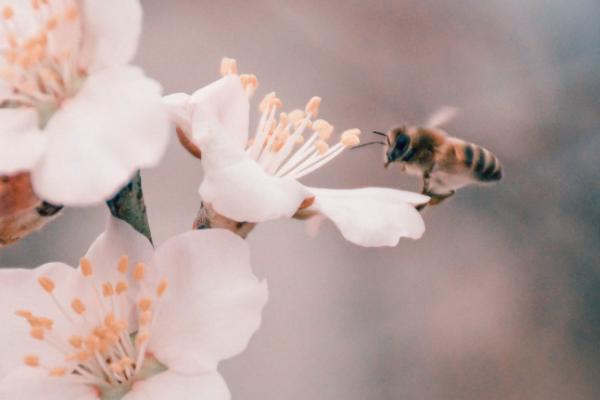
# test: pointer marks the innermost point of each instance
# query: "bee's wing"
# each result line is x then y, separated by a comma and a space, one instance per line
441, 117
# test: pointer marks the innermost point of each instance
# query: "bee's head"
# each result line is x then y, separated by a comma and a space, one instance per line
398, 144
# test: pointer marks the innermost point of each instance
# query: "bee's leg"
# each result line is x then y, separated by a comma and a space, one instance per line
438, 198
425, 190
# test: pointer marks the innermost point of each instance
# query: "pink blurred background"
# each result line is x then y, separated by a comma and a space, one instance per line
500, 299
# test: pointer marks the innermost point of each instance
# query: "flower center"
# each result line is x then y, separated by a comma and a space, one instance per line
280, 145
98, 345
40, 51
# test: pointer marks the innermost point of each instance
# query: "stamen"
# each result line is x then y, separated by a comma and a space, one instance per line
107, 289
78, 306
350, 140
162, 287
37, 333
312, 107
123, 264
250, 84
321, 147
32, 361
76, 341
86, 267
23, 314
8, 13
145, 304
228, 66
139, 271
47, 284
58, 372
146, 317
270, 100
141, 338
121, 287
323, 128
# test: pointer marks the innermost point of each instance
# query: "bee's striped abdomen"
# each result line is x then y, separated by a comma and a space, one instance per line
485, 166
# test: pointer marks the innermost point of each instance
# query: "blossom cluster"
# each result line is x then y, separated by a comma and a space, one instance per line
77, 123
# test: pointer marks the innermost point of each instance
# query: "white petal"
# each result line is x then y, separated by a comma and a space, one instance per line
21, 143
372, 217
244, 192
223, 104
213, 304
236, 186
119, 239
172, 386
111, 31
19, 290
177, 105
115, 125
32, 384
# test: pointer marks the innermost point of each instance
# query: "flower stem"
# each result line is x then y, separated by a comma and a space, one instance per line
129, 206
208, 218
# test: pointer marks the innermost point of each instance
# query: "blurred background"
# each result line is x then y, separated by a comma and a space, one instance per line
501, 297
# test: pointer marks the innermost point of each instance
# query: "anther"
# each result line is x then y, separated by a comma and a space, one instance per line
121, 287
86, 267
72, 13
350, 140
270, 100
8, 13
313, 105
32, 361
323, 128
52, 23
58, 372
351, 132
321, 146
107, 289
228, 66
78, 306
46, 283
145, 304
296, 115
76, 341
23, 314
139, 271
162, 287
45, 323
37, 333
250, 83
123, 264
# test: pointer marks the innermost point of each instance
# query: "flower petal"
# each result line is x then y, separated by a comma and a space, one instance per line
119, 239
244, 192
213, 304
21, 143
177, 105
371, 217
31, 383
173, 386
115, 125
111, 31
19, 290
223, 104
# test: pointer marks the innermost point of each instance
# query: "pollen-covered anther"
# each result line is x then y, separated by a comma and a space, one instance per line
31, 360
123, 265
76, 341
296, 115
269, 101
23, 314
8, 13
162, 287
107, 289
47, 284
312, 107
350, 137
228, 67
139, 271
321, 147
37, 333
86, 267
78, 306
250, 83
145, 304
323, 128
121, 287
72, 13
58, 372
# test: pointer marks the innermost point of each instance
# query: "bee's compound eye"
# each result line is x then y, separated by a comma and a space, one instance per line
401, 144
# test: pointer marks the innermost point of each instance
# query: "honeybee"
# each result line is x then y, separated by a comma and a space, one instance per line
445, 163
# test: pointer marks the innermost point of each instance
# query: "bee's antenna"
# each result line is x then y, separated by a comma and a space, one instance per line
368, 144
379, 133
